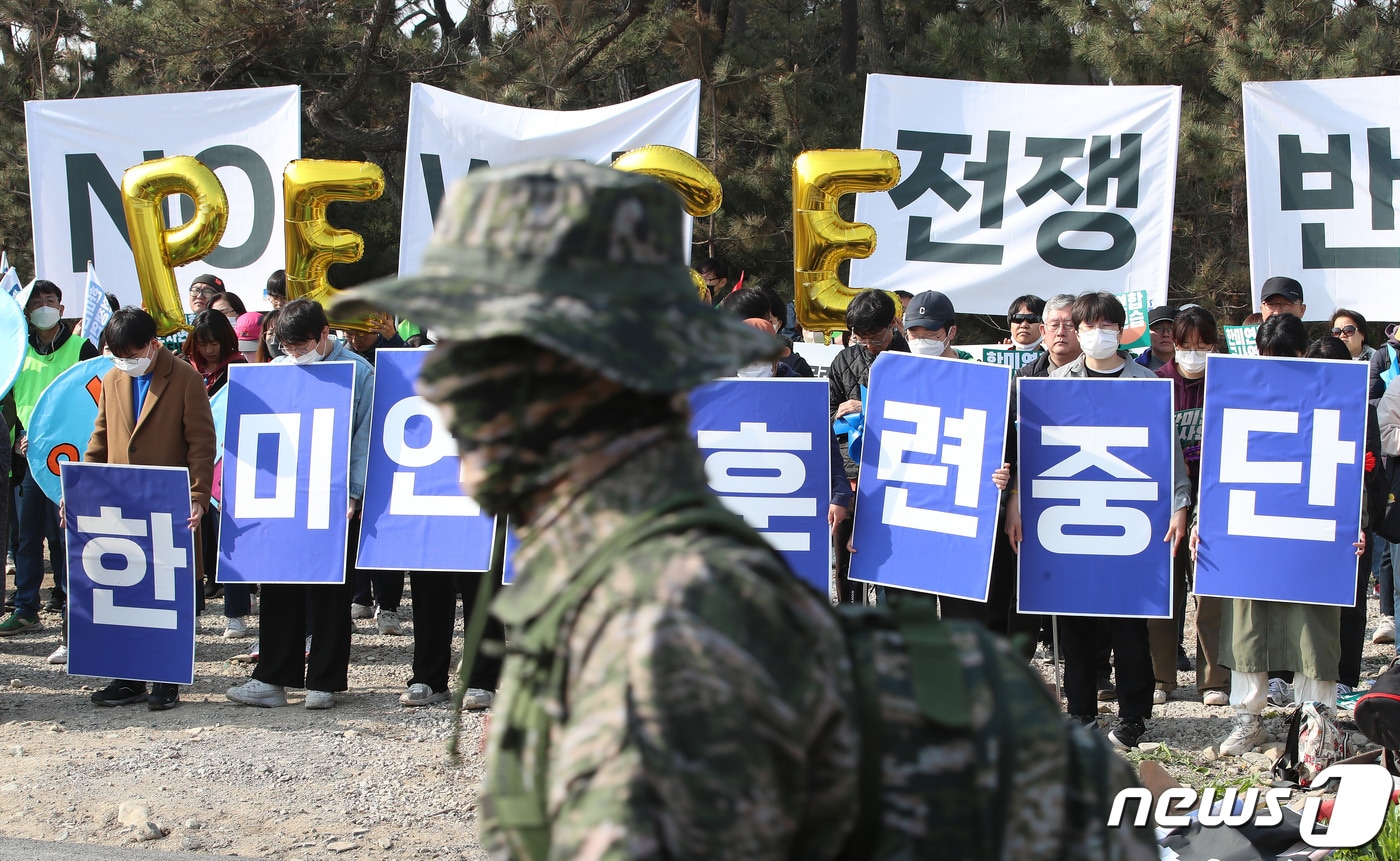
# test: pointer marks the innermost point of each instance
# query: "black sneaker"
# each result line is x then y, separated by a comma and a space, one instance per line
163, 697
1183, 663
1128, 733
213, 590
119, 693
1090, 721
1106, 690
57, 602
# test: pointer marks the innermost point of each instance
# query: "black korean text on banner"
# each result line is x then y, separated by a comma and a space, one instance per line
1323, 159
1011, 188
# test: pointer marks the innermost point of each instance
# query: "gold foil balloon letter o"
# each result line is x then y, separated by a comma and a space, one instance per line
157, 249
308, 187
822, 238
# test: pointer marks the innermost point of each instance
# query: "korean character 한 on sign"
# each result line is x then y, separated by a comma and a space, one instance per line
111, 558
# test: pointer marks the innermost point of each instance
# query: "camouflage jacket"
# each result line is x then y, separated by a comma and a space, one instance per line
705, 711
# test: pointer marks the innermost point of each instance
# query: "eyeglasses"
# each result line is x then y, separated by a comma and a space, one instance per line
1109, 328
1162, 329
1024, 318
873, 340
300, 349
203, 291
1061, 326
1346, 331
1279, 305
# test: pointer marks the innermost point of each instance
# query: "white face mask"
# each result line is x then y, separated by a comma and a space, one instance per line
1033, 345
927, 346
45, 317
758, 369
310, 356
1192, 361
1098, 344
135, 367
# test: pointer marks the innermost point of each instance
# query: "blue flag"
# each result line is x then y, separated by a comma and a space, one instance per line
926, 513
14, 335
62, 422
1282, 458
767, 451
286, 482
96, 310
415, 514
1096, 463
131, 572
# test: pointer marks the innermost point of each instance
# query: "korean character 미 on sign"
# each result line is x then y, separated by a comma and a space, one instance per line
1282, 462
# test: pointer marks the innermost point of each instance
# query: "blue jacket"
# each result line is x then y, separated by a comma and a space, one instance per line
364, 398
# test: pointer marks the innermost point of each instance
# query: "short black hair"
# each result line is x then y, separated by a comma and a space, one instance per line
1033, 302
776, 306
233, 302
1196, 321
43, 286
210, 325
869, 312
1356, 318
301, 320
1092, 307
746, 304
129, 329
1282, 335
1327, 347
277, 284
714, 266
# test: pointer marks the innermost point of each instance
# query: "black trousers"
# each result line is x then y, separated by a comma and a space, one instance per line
434, 612
1354, 622
287, 611
1132, 664
382, 587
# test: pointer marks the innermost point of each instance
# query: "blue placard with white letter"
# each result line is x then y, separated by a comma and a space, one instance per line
1283, 455
130, 572
1096, 460
286, 473
926, 515
415, 514
767, 450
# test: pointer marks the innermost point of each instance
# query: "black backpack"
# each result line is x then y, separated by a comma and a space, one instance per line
1378, 710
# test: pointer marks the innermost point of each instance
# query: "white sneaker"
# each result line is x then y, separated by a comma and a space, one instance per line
1159, 697
361, 611
388, 623
59, 656
258, 693
476, 698
1280, 692
1215, 698
235, 629
319, 699
419, 694
1385, 631
1247, 735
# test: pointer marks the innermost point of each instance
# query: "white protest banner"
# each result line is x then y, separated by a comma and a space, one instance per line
1009, 186
97, 311
450, 135
1321, 174
79, 148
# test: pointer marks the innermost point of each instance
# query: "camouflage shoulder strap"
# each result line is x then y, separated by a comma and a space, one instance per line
521, 809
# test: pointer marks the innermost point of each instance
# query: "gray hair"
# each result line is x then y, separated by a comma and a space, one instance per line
1058, 302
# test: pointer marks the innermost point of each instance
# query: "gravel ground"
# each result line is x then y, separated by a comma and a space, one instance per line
366, 779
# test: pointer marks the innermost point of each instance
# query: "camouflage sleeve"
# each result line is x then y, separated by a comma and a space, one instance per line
689, 738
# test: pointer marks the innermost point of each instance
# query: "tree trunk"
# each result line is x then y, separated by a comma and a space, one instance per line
872, 31
850, 36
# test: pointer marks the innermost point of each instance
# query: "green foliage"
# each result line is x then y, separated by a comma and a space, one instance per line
1386, 846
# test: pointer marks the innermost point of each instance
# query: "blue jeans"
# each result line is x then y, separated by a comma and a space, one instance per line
38, 521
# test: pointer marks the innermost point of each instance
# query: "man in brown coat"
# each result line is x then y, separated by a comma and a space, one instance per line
153, 412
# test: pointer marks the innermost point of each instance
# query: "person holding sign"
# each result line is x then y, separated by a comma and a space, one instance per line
53, 349
305, 336
153, 412
1098, 320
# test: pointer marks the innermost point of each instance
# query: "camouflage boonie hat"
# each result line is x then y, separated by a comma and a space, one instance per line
583, 260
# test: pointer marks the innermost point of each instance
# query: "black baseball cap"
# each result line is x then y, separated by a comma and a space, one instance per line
1161, 314
930, 309
1281, 285
211, 279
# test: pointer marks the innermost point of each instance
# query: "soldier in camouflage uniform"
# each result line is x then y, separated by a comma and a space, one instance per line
670, 689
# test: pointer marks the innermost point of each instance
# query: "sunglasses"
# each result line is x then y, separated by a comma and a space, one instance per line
1345, 330
1024, 318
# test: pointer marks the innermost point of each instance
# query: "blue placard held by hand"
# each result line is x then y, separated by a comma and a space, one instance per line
131, 570
926, 510
1096, 493
1282, 459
